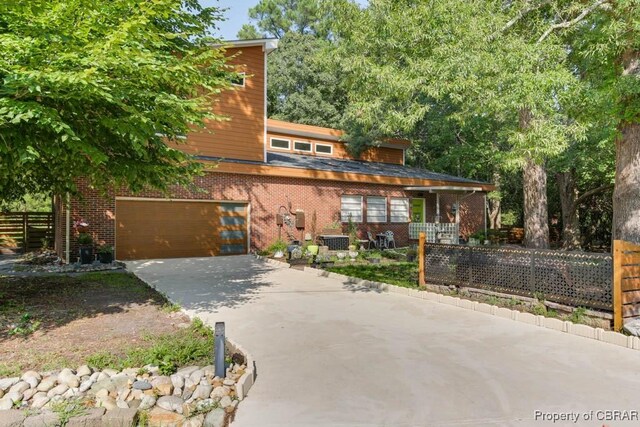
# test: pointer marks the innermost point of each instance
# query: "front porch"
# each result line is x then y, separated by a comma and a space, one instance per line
442, 225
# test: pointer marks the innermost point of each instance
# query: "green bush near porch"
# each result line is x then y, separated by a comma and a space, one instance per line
403, 274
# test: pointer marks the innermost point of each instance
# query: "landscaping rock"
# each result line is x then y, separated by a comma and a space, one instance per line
47, 383
45, 419
196, 375
31, 374
28, 394
187, 370
177, 380
58, 390
19, 387
142, 385
122, 404
201, 392
109, 372
159, 417
171, 403
85, 385
11, 418
91, 418
197, 421
6, 404
83, 371
225, 401
13, 396
39, 402
163, 385
215, 418
220, 392
66, 376
108, 403
120, 418
147, 402
7, 383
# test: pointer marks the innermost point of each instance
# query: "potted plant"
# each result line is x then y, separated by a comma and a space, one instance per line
105, 254
85, 242
312, 248
277, 248
375, 257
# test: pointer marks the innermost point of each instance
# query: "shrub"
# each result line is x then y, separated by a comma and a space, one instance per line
278, 245
85, 239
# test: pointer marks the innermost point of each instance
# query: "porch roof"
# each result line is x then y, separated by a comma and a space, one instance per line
364, 168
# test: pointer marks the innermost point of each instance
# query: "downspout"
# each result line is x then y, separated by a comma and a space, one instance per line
437, 218
67, 230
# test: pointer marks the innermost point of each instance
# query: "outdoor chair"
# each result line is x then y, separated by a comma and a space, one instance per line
371, 241
390, 240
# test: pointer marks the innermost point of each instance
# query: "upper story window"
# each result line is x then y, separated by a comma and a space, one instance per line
280, 143
302, 146
351, 207
239, 79
376, 209
324, 148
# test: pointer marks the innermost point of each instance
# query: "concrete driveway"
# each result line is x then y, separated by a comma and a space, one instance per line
331, 354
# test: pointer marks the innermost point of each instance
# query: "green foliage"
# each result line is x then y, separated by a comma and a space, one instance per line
67, 409
276, 18
400, 274
105, 249
28, 203
96, 89
85, 239
25, 326
305, 85
193, 345
278, 245
352, 230
578, 315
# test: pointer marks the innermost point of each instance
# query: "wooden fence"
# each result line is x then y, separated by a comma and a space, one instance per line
26, 231
626, 283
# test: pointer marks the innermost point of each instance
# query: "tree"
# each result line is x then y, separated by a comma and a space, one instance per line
304, 86
275, 18
97, 89
400, 56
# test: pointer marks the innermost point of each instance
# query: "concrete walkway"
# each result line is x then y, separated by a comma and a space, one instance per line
331, 354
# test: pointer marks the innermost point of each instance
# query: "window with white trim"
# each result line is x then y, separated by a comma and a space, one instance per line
302, 146
238, 79
351, 206
280, 144
376, 209
399, 209
324, 148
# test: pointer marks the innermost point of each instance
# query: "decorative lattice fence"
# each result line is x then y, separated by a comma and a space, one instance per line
572, 278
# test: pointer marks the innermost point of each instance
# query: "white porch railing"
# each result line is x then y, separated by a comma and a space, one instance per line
443, 232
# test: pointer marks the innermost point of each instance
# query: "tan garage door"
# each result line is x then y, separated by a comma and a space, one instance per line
148, 229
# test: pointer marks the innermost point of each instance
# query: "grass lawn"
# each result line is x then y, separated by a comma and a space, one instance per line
401, 273
105, 319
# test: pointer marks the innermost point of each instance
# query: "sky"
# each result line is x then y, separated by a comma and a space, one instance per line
237, 15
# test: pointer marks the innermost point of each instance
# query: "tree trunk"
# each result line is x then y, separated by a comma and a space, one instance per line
494, 204
534, 175
568, 190
536, 225
626, 195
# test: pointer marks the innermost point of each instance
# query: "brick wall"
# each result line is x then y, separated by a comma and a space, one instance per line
265, 195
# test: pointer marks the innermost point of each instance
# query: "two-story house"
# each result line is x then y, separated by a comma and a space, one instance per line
264, 168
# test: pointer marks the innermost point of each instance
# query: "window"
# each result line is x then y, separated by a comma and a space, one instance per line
376, 209
281, 144
399, 210
238, 79
302, 146
351, 206
324, 148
